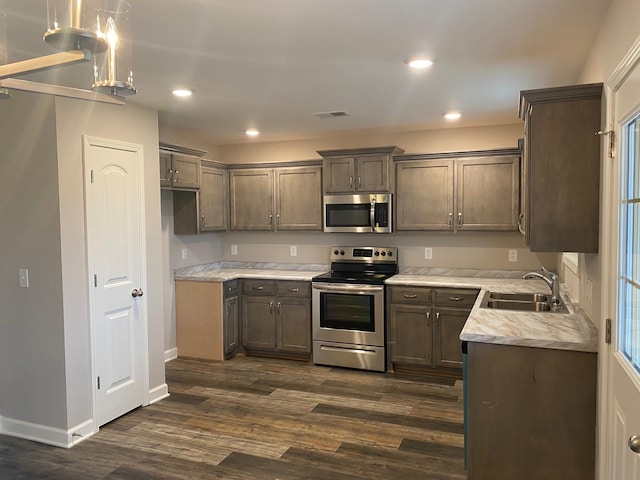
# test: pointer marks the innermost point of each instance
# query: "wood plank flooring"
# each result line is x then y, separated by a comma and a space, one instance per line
254, 418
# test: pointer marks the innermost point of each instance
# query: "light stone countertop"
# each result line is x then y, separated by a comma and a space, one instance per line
571, 331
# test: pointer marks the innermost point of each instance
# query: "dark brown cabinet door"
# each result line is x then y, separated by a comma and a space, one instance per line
258, 322
294, 324
410, 334
231, 326
448, 325
562, 161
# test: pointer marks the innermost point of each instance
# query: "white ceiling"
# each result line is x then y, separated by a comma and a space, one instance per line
271, 64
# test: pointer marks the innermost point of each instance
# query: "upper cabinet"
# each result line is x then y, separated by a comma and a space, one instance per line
213, 198
458, 191
561, 168
283, 198
179, 171
362, 170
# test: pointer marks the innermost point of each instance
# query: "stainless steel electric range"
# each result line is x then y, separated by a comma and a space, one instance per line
348, 306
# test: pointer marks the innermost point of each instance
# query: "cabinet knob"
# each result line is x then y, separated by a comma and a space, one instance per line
455, 299
428, 315
634, 443
450, 220
350, 182
270, 307
407, 295
437, 319
459, 219
279, 304
259, 289
294, 290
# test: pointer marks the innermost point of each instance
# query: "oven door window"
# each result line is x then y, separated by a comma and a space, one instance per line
346, 311
348, 215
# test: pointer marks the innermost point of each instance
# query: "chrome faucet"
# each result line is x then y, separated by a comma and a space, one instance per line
550, 279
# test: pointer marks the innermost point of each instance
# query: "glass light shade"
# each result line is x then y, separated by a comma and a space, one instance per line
4, 93
113, 69
74, 24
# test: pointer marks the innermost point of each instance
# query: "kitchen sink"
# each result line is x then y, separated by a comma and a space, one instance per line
519, 297
523, 302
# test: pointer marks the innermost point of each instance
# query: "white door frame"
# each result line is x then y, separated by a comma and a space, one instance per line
610, 228
89, 141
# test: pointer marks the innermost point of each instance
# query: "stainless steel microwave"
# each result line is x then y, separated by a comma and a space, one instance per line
366, 213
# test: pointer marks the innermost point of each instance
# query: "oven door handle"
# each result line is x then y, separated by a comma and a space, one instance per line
348, 288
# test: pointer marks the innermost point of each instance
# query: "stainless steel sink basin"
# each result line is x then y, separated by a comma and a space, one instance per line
523, 302
524, 306
519, 297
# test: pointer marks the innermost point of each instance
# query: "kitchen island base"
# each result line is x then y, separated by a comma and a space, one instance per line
531, 413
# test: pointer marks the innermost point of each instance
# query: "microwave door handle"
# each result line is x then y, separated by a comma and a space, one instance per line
372, 214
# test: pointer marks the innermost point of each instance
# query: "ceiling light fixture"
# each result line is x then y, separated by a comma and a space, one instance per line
252, 132
418, 63
452, 115
182, 92
82, 30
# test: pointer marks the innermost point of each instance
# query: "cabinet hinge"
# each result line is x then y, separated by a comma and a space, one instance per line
95, 279
607, 331
98, 383
92, 177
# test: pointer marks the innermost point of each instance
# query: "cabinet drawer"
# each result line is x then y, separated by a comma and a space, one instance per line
293, 289
231, 288
258, 287
455, 298
412, 295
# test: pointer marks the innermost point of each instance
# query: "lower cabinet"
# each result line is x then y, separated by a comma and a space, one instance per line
531, 413
276, 318
424, 326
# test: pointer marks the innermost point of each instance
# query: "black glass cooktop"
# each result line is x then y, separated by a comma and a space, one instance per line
366, 278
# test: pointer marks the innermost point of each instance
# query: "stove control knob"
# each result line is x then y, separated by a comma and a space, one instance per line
341, 252
335, 252
383, 253
390, 253
377, 253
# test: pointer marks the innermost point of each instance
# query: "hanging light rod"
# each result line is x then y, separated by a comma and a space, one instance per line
84, 31
43, 63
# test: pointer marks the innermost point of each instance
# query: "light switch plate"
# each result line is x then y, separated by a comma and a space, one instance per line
23, 275
293, 250
184, 254
234, 249
513, 255
428, 253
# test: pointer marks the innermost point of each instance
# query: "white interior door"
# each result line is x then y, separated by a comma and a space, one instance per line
115, 219
624, 402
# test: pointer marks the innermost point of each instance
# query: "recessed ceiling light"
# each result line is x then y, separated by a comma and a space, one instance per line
252, 132
182, 92
418, 62
452, 115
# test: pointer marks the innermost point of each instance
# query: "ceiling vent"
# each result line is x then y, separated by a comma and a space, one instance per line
331, 114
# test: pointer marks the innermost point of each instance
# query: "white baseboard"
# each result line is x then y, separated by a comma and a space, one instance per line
170, 354
158, 393
44, 434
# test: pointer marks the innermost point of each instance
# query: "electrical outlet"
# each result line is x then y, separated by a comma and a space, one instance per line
293, 250
513, 255
23, 275
234, 249
428, 253
184, 253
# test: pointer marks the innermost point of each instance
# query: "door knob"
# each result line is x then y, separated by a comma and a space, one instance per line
634, 443
137, 292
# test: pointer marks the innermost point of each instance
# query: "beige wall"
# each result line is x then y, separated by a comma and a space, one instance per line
423, 141
32, 366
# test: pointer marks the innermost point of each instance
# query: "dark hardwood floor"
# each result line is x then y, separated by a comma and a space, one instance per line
254, 418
